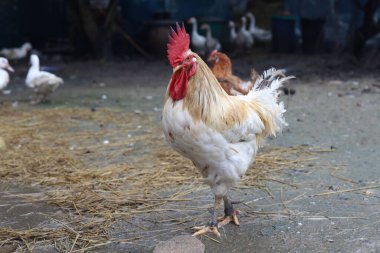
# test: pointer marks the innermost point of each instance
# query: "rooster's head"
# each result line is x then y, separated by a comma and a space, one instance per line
183, 61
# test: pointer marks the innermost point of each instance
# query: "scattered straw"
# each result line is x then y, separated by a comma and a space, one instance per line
347, 190
102, 165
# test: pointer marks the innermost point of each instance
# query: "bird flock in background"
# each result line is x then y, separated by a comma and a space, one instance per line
41, 82
44, 83
241, 40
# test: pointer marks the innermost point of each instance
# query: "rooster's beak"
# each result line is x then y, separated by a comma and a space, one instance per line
177, 68
183, 65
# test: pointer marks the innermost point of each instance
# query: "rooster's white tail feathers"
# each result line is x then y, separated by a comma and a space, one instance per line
265, 96
269, 77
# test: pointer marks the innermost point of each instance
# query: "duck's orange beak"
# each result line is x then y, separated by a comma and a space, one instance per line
8, 67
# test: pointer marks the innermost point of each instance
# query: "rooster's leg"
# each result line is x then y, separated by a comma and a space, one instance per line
213, 225
230, 214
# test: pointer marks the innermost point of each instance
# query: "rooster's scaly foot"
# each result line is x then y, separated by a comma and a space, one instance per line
229, 219
206, 229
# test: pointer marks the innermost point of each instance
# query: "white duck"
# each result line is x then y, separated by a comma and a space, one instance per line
198, 42
244, 37
43, 83
16, 53
233, 34
4, 76
237, 40
211, 42
258, 33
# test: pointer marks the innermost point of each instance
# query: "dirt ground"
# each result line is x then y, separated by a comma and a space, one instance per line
329, 205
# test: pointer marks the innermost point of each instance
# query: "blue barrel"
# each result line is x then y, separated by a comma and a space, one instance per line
283, 34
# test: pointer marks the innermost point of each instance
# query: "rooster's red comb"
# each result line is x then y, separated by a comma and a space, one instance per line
178, 44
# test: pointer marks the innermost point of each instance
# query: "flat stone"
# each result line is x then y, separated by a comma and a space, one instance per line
181, 243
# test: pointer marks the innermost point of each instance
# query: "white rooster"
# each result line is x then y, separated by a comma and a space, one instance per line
4, 76
219, 133
43, 83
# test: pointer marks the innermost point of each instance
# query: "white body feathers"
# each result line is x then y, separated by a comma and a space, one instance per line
42, 82
223, 156
221, 160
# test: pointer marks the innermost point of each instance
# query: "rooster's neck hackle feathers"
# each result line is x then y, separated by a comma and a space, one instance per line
206, 101
178, 45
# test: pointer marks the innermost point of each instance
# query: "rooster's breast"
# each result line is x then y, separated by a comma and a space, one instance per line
218, 160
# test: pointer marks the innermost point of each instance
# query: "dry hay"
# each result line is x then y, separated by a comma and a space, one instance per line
62, 151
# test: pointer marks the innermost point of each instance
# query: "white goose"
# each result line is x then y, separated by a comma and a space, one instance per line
4, 76
43, 83
211, 42
237, 40
233, 34
198, 42
258, 33
244, 35
16, 53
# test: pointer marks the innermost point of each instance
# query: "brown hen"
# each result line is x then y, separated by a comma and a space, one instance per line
222, 69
